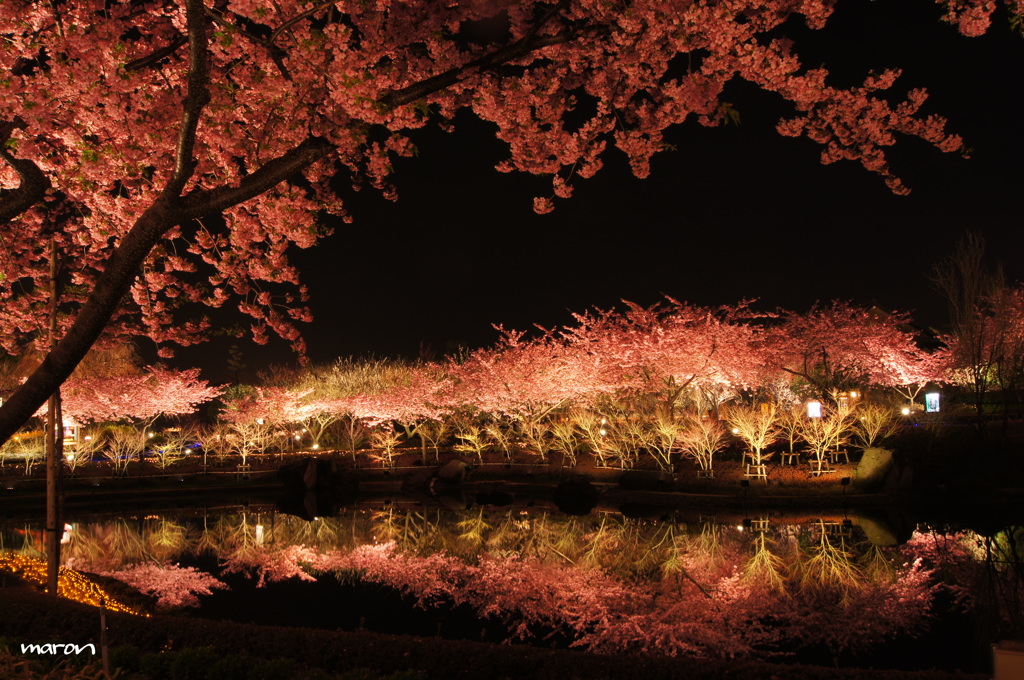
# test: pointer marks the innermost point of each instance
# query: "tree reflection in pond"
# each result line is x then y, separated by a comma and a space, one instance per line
607, 583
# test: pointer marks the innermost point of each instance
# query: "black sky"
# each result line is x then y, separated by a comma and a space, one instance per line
734, 212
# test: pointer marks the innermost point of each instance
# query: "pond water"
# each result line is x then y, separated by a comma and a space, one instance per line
824, 588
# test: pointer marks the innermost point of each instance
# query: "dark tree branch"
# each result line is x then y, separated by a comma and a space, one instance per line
154, 58
268, 175
296, 19
441, 81
33, 182
197, 98
276, 53
123, 267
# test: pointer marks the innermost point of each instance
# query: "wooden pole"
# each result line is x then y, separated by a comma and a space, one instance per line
104, 647
54, 451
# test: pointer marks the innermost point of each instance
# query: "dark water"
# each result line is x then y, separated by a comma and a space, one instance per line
827, 588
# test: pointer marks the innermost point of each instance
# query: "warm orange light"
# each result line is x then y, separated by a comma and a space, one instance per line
71, 584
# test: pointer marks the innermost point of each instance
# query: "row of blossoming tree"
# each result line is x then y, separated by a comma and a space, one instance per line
644, 386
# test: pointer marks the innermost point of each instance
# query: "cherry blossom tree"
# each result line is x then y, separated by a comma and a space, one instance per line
254, 413
156, 391
148, 139
172, 585
670, 347
839, 347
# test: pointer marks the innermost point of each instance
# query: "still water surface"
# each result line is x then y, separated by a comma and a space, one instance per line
829, 588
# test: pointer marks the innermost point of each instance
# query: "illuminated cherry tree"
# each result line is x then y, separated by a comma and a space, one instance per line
670, 347
157, 391
840, 347
148, 140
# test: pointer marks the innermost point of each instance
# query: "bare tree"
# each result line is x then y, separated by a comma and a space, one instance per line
969, 285
701, 438
756, 425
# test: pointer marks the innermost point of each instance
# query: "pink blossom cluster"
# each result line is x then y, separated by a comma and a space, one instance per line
93, 98
156, 391
668, 349
172, 585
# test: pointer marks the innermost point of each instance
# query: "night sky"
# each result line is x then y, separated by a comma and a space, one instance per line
732, 213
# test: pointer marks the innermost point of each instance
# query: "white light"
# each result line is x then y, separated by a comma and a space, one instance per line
853, 395
298, 437
931, 402
739, 527
602, 432
905, 411
814, 409
735, 430
604, 421
316, 446
88, 438
150, 435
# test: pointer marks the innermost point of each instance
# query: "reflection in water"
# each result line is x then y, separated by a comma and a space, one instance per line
609, 583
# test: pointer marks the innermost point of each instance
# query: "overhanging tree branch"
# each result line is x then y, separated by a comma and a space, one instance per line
197, 98
34, 182
171, 209
441, 81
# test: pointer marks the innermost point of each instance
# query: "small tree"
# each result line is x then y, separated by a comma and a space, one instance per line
123, 443
788, 420
354, 433
433, 433
565, 438
28, 446
627, 438
385, 439
172, 447
86, 448
874, 423
826, 433
594, 428
756, 425
662, 438
700, 439
503, 436
318, 424
536, 432
474, 440
216, 441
